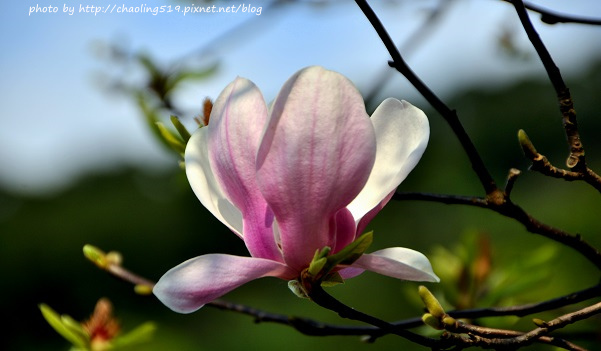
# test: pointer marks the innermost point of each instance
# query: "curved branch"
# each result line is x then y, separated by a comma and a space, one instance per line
576, 159
323, 299
449, 115
500, 203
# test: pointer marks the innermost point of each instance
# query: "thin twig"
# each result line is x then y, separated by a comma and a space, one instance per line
552, 325
576, 160
411, 43
541, 164
491, 335
377, 328
323, 299
503, 205
552, 17
449, 115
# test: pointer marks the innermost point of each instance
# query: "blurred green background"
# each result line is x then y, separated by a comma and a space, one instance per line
155, 221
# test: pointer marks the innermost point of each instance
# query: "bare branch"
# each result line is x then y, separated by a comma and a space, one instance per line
501, 203
541, 164
551, 17
576, 160
449, 115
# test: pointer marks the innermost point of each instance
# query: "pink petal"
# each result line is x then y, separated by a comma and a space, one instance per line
396, 262
315, 157
190, 285
237, 120
402, 133
205, 186
344, 228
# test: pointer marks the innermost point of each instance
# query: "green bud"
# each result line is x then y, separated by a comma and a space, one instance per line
527, 146
321, 253
316, 266
143, 289
97, 256
431, 302
540, 323
113, 257
297, 288
449, 321
431, 321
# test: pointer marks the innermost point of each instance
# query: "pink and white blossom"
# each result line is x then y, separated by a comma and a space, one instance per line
308, 172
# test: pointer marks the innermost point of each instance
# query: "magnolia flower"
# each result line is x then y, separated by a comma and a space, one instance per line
306, 173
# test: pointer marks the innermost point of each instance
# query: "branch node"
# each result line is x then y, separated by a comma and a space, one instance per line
512, 176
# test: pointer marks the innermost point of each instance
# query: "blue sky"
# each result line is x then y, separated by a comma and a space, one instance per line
57, 122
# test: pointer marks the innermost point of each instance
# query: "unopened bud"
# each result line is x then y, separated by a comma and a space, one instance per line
431, 302
297, 288
431, 321
527, 146
97, 256
143, 289
540, 323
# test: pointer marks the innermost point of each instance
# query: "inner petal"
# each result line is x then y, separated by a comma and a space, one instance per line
315, 156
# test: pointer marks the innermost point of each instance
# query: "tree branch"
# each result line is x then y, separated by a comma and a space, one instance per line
551, 17
501, 204
552, 325
449, 115
323, 299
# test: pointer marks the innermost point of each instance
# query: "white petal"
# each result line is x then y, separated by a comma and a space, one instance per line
205, 186
402, 133
397, 262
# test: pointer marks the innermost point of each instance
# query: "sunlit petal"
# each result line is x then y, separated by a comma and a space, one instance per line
402, 133
205, 186
396, 262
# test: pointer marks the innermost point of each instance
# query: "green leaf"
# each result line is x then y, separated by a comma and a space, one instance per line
332, 279
175, 79
176, 143
73, 325
181, 129
142, 333
65, 329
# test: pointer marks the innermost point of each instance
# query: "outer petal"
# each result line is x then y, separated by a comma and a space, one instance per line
316, 154
190, 285
237, 121
205, 186
402, 133
396, 262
